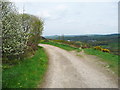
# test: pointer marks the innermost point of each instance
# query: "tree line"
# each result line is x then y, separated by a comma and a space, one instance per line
21, 33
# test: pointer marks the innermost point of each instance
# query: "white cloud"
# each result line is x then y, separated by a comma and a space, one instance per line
54, 13
70, 21
61, 7
44, 14
75, 18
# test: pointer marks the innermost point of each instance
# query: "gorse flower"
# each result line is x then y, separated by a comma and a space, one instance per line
101, 49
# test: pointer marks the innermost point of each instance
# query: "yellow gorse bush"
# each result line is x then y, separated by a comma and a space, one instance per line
105, 50
101, 49
98, 48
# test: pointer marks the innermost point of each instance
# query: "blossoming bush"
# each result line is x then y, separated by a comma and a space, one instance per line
20, 32
13, 42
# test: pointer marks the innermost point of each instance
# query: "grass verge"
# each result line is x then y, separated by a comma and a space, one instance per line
112, 60
63, 46
27, 74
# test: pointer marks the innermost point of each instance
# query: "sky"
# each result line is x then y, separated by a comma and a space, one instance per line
74, 17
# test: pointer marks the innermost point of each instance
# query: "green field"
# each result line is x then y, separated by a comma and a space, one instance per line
61, 45
28, 74
112, 60
108, 41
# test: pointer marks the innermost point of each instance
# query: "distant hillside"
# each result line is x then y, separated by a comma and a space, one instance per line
109, 41
85, 38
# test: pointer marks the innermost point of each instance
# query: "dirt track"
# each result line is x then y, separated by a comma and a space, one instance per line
67, 70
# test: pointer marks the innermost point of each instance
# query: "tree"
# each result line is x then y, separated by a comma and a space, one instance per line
32, 27
11, 31
19, 31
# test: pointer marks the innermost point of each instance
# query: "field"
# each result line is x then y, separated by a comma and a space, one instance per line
61, 45
28, 73
110, 59
109, 41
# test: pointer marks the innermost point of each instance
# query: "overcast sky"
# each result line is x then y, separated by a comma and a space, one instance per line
74, 18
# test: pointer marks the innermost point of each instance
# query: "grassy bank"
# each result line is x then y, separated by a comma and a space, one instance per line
27, 74
112, 60
63, 46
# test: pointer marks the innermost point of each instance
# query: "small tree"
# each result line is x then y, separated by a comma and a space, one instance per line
32, 27
12, 35
19, 31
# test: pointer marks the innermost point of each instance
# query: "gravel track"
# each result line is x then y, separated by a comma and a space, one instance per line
67, 70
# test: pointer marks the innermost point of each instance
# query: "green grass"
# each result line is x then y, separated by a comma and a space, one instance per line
63, 46
112, 60
28, 74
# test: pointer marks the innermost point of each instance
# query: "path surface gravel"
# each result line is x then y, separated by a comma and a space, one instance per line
67, 70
